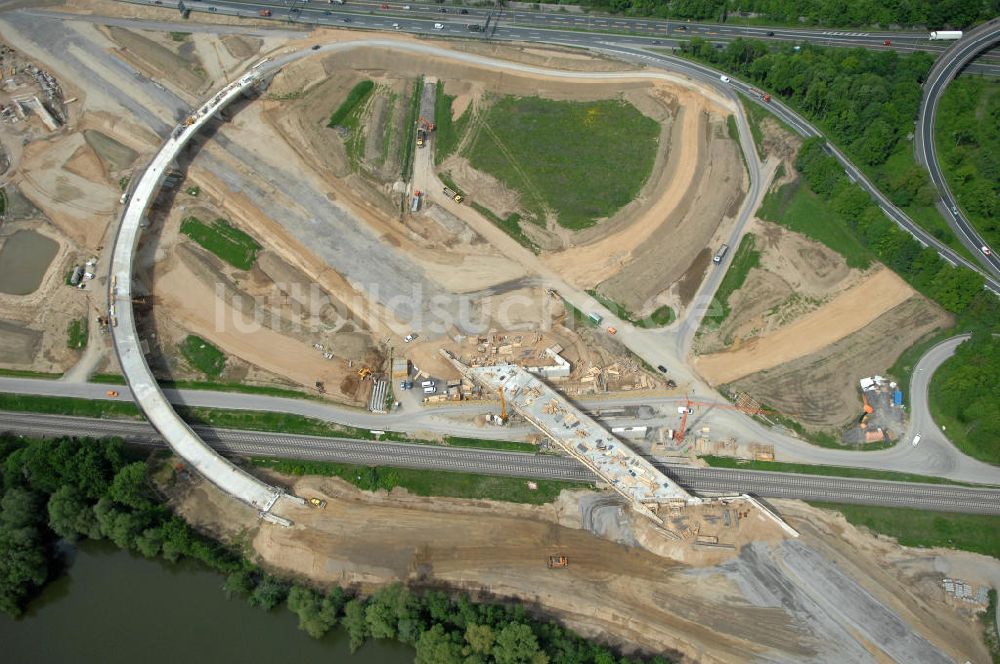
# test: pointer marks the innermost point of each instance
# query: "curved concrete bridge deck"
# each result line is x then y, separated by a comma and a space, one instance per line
148, 394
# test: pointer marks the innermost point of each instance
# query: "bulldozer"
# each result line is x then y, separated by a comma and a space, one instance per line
364, 372
318, 503
558, 562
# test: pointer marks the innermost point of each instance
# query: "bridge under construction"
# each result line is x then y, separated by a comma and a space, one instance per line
626, 471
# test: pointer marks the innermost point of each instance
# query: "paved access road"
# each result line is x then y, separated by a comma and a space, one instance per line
947, 67
704, 481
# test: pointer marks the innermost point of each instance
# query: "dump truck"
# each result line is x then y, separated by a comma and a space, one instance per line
558, 562
316, 502
266, 13
453, 195
421, 138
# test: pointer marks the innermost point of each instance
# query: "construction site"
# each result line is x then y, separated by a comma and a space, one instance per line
408, 261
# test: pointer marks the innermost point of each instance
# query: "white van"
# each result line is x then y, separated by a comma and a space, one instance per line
916, 439
430, 390
427, 383
439, 26
724, 78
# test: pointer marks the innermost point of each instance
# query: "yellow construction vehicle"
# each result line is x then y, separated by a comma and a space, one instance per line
503, 406
364, 372
558, 562
316, 502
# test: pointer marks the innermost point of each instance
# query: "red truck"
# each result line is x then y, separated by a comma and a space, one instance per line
265, 12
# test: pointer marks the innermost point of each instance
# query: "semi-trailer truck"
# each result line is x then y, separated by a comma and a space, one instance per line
946, 35
265, 12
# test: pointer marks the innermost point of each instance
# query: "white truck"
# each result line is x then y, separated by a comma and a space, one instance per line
946, 35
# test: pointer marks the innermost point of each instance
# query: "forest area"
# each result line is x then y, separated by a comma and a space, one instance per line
69, 489
966, 391
932, 14
967, 134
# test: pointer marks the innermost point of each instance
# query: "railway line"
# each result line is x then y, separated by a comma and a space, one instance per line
704, 481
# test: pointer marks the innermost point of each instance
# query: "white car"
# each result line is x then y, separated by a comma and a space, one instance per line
439, 26
427, 383
916, 440
724, 78
410, 337
986, 250
406, 6
395, 26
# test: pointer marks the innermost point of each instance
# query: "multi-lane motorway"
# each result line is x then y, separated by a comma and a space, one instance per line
948, 65
704, 481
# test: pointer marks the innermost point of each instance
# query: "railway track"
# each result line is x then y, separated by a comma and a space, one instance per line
705, 481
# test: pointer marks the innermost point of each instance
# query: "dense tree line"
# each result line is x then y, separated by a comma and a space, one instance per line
74, 489
968, 141
865, 100
967, 388
959, 291
934, 14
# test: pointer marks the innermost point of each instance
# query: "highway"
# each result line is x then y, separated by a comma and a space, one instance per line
703, 481
632, 47
945, 69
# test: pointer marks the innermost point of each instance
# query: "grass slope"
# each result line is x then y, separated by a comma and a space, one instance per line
797, 208
968, 532
222, 239
429, 483
582, 160
203, 356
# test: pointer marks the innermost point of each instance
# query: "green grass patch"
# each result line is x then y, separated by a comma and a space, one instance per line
123, 182
410, 138
967, 532
107, 379
582, 160
511, 226
67, 406
797, 208
428, 482
27, 373
212, 385
353, 101
224, 240
76, 334
203, 356
193, 190
661, 316
832, 471
179, 36
449, 131
745, 259
3, 202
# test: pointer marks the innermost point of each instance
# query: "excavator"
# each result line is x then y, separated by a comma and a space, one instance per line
868, 411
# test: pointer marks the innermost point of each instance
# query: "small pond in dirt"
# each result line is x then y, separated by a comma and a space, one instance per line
24, 259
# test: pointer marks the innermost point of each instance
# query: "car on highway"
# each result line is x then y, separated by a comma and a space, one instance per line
315, 47
662, 368
111, 393
986, 250
887, 42
439, 26
463, 11
345, 20
406, 6
410, 337
443, 10
724, 78
682, 27
770, 33
395, 26
916, 440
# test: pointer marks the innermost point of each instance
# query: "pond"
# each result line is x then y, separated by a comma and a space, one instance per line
113, 607
24, 258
